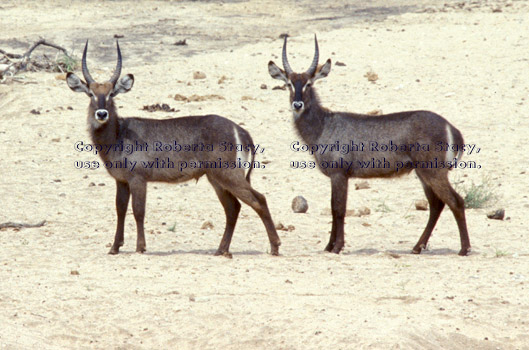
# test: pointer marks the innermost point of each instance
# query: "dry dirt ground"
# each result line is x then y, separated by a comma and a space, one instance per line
59, 289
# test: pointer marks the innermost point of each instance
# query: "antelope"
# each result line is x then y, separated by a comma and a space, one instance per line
412, 140
228, 179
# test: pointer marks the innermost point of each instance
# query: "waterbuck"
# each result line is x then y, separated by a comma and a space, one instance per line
199, 145
356, 145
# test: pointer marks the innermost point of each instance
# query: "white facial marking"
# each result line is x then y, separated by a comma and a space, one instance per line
101, 115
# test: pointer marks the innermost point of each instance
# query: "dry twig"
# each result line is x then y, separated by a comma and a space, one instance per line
21, 225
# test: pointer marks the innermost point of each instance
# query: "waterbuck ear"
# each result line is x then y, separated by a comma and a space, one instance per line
77, 84
322, 71
276, 72
123, 85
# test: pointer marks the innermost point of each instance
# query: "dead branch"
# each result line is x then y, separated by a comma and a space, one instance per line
14, 63
10, 55
45, 43
21, 225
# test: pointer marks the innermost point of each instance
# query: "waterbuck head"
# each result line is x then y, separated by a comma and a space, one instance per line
101, 95
300, 84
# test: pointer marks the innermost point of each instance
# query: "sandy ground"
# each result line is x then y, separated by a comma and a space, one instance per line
59, 289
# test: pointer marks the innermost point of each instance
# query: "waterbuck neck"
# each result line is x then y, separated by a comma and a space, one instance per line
311, 121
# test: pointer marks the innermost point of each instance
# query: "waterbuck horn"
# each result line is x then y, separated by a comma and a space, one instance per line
314, 64
286, 66
117, 71
86, 73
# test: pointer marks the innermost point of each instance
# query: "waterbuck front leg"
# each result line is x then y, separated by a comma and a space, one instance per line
232, 208
122, 202
339, 184
138, 190
332, 239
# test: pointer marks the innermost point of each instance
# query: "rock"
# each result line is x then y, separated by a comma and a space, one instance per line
361, 185
199, 75
363, 211
375, 112
371, 76
264, 87
300, 205
421, 204
179, 97
496, 214
281, 227
207, 225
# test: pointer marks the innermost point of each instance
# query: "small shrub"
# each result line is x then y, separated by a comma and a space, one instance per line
478, 196
66, 63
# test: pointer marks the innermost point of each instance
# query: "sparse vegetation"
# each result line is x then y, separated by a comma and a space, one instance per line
501, 253
172, 228
382, 207
66, 63
478, 195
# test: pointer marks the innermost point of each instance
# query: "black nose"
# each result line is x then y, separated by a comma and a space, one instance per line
101, 114
297, 105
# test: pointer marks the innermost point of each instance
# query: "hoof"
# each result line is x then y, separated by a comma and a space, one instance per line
275, 251
464, 251
336, 250
329, 247
225, 254
140, 250
418, 248
113, 251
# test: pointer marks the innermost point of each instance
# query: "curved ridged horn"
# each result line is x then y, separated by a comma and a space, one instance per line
117, 71
286, 66
86, 73
314, 64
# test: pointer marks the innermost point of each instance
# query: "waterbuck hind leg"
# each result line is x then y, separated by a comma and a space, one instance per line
339, 184
232, 208
241, 189
436, 207
264, 213
138, 190
440, 185
122, 202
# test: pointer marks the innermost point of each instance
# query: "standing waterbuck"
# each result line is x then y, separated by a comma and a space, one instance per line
356, 145
192, 143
